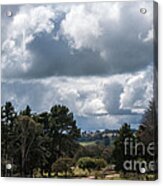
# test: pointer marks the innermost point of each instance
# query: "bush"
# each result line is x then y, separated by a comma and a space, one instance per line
62, 165
100, 163
91, 163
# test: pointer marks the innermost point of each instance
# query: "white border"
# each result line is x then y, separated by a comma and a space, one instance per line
53, 182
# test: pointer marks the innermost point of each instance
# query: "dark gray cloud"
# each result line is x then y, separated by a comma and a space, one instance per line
77, 41
54, 58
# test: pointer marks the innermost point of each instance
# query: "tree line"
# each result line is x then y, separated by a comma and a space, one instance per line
49, 141
31, 140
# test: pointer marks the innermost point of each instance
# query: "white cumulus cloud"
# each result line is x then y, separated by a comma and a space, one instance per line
138, 91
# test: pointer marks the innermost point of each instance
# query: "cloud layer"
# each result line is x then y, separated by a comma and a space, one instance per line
96, 58
109, 101
96, 39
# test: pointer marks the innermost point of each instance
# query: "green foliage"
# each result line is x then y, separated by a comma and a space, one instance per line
93, 151
118, 154
63, 165
86, 163
62, 132
27, 111
91, 163
45, 144
148, 131
100, 163
8, 116
26, 140
106, 141
107, 154
31, 141
148, 128
62, 122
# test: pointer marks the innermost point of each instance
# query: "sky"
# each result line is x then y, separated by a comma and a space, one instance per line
95, 58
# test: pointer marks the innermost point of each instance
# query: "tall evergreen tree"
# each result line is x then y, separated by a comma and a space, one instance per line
8, 116
149, 124
62, 133
118, 155
148, 132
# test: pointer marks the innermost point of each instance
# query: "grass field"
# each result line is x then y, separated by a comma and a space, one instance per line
88, 143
